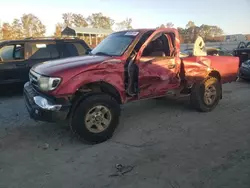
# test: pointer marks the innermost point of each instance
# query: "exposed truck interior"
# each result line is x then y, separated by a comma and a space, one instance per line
161, 46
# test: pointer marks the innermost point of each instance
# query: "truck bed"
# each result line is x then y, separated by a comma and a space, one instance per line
196, 68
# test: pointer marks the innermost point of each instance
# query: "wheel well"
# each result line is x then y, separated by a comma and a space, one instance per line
215, 74
93, 89
98, 87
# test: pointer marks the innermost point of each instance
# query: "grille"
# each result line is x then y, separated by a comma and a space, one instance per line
33, 76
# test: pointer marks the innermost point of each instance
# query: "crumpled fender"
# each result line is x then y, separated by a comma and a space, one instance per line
195, 69
111, 72
198, 68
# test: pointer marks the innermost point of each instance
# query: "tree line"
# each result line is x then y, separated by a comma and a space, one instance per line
30, 25
209, 33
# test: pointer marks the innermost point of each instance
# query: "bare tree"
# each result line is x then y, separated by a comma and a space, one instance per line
74, 20
7, 31
124, 25
98, 20
58, 31
79, 20
32, 26
190, 24
68, 19
169, 25
17, 29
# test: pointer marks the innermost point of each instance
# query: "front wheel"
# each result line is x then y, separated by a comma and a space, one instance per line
96, 118
206, 95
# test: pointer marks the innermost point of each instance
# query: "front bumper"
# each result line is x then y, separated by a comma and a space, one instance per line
44, 108
244, 73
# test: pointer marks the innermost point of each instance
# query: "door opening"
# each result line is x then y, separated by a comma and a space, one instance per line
132, 70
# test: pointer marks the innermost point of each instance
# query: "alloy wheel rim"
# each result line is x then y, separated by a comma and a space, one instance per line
210, 95
98, 119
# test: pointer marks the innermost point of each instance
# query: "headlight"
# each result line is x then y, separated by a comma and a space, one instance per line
48, 83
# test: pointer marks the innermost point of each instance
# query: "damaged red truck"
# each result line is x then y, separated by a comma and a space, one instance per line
87, 91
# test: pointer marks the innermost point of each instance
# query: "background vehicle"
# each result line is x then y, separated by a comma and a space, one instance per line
218, 51
243, 51
188, 51
182, 54
18, 56
215, 51
126, 66
244, 71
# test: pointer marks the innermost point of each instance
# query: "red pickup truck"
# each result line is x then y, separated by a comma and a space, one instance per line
126, 66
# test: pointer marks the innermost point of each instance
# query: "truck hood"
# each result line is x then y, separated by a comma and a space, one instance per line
56, 67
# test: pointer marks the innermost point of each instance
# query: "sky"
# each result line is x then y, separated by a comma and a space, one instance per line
231, 15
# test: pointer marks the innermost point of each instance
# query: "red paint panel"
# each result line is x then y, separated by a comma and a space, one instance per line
197, 68
110, 72
227, 66
157, 78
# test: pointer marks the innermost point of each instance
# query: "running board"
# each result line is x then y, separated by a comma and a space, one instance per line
181, 92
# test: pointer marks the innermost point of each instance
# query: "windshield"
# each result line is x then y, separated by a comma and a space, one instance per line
115, 44
248, 45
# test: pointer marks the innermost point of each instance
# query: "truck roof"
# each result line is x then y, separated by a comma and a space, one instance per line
147, 29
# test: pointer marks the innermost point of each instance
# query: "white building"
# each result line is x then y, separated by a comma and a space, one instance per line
237, 37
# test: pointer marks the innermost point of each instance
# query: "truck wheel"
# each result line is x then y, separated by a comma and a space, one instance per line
96, 118
206, 95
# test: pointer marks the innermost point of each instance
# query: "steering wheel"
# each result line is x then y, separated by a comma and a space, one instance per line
248, 45
242, 45
1, 59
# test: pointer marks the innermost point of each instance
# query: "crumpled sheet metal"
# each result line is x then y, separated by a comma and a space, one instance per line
111, 72
197, 68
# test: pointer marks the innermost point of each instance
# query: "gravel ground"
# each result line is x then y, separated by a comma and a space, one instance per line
168, 143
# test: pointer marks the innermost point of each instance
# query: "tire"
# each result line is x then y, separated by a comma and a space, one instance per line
79, 124
197, 98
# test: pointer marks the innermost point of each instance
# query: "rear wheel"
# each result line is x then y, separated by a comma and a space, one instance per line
96, 118
206, 95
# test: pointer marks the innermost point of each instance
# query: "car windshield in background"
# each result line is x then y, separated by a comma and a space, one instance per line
247, 62
115, 44
248, 45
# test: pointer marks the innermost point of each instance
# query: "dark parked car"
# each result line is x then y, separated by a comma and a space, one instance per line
18, 56
243, 51
218, 51
244, 71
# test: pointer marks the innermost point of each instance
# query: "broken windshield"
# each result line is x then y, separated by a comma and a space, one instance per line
115, 44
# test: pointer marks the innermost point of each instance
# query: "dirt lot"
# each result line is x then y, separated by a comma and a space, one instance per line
169, 145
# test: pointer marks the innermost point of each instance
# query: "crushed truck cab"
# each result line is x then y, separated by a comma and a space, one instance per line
131, 65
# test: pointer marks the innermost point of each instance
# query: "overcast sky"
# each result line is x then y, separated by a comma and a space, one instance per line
231, 15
